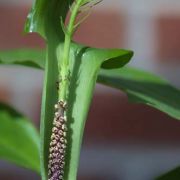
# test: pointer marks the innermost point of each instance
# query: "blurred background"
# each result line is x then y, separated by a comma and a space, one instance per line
122, 141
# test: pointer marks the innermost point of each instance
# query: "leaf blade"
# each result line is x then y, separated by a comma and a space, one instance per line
143, 87
85, 64
19, 140
26, 57
44, 18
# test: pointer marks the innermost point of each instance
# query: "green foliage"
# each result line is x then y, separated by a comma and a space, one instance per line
19, 140
143, 87
27, 57
84, 63
46, 18
140, 86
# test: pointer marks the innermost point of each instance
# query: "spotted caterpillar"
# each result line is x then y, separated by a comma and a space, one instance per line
58, 143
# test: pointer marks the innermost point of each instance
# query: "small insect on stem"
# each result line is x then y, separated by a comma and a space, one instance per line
57, 85
58, 82
58, 143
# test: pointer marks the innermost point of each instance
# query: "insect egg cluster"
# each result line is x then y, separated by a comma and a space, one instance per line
58, 143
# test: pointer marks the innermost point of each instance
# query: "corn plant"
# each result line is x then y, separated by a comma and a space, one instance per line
71, 72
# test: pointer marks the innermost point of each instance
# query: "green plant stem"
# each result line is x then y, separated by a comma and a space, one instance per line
64, 66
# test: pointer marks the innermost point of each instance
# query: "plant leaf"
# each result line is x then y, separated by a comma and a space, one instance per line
44, 18
27, 57
143, 87
19, 140
171, 175
85, 64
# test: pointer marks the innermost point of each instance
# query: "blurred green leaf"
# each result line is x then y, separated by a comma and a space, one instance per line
171, 175
143, 87
19, 140
27, 57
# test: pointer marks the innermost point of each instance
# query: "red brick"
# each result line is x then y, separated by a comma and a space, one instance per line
4, 94
168, 38
113, 120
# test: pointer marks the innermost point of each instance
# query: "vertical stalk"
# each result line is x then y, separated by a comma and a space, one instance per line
64, 66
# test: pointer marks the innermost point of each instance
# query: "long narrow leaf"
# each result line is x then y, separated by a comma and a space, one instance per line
143, 87
27, 57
